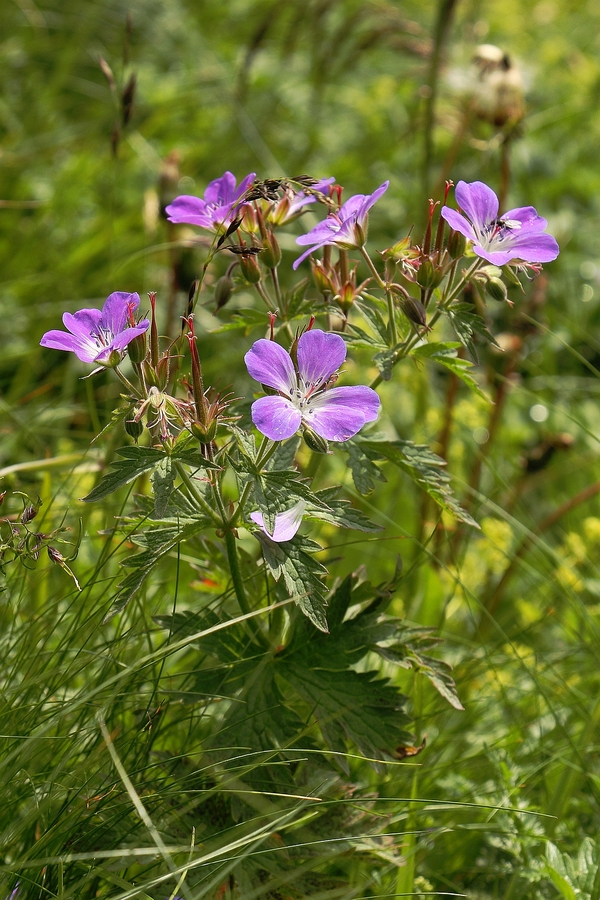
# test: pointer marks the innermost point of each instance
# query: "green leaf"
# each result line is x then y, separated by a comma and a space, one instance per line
374, 317
244, 319
136, 461
157, 543
356, 337
163, 482
339, 512
361, 463
302, 574
425, 469
445, 354
466, 323
384, 360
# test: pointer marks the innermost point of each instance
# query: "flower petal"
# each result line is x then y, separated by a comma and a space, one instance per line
114, 312
371, 199
82, 346
527, 216
221, 191
458, 222
188, 209
534, 248
276, 417
478, 202
120, 341
338, 414
320, 354
268, 363
244, 185
286, 523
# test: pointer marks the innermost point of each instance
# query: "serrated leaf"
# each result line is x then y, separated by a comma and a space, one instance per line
163, 483
361, 463
245, 319
284, 455
466, 323
445, 354
425, 468
385, 363
135, 461
302, 574
374, 318
339, 512
356, 337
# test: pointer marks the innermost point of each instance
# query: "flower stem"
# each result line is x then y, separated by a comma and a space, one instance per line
197, 496
124, 380
373, 269
265, 452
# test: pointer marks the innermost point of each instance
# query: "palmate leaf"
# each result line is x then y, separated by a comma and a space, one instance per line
339, 512
163, 482
424, 467
445, 354
301, 572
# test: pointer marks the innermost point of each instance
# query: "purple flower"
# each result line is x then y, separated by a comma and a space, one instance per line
517, 234
286, 523
95, 335
217, 210
347, 227
335, 414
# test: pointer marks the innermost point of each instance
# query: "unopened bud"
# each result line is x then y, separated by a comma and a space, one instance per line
313, 440
457, 243
496, 288
2, 496
137, 349
320, 277
347, 296
271, 255
55, 555
250, 268
429, 275
414, 310
249, 220
28, 514
133, 428
204, 435
223, 291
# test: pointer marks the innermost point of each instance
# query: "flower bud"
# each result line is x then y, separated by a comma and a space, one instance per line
249, 221
321, 278
250, 268
313, 440
134, 428
414, 310
28, 514
271, 255
429, 275
137, 348
223, 291
204, 435
457, 243
496, 288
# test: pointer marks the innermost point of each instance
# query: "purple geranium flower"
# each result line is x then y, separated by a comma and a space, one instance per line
515, 235
286, 523
217, 210
335, 414
95, 335
347, 227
